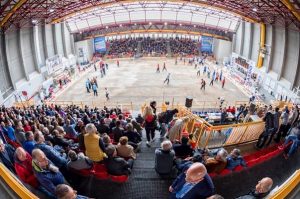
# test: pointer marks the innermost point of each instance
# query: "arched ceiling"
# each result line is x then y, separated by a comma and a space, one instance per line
83, 15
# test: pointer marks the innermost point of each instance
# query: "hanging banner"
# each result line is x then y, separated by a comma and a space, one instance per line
206, 44
99, 44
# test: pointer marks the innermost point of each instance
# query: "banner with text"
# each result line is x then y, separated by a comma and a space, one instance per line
99, 44
206, 44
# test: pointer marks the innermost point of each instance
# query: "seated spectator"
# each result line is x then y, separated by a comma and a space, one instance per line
137, 127
60, 140
262, 189
117, 132
19, 133
63, 191
29, 144
106, 140
54, 156
7, 156
9, 131
294, 138
139, 119
48, 137
94, 147
235, 159
218, 163
78, 162
27, 127
194, 183
102, 127
133, 137
70, 129
23, 167
124, 149
46, 173
164, 158
107, 120
183, 150
216, 196
117, 165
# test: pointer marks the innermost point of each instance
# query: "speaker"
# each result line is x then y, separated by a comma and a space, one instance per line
188, 102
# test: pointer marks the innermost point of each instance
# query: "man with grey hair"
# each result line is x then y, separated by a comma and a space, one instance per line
78, 162
46, 173
217, 163
164, 158
7, 155
262, 189
235, 159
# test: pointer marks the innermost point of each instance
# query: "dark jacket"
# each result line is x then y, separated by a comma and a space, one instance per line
201, 190
183, 151
117, 132
269, 120
164, 161
133, 136
253, 195
102, 128
7, 157
117, 166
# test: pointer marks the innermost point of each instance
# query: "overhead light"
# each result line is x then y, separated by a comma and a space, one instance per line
254, 9
34, 21
166, 23
51, 10
106, 27
150, 23
135, 24
80, 32
120, 25
194, 26
180, 24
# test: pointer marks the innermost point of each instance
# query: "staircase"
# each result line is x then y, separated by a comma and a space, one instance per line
169, 51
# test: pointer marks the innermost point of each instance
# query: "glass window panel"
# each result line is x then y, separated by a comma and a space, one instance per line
155, 15
94, 21
107, 19
210, 20
140, 15
122, 16
224, 23
184, 16
197, 18
233, 25
82, 24
169, 16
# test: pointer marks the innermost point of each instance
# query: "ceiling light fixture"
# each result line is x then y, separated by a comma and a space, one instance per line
180, 24
34, 21
150, 23
166, 23
254, 9
51, 10
120, 25
106, 27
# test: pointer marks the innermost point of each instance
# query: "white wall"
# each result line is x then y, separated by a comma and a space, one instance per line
222, 48
87, 47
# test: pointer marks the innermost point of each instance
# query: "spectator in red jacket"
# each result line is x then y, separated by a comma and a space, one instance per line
23, 167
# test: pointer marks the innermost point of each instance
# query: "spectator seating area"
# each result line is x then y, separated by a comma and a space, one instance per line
151, 46
184, 46
123, 46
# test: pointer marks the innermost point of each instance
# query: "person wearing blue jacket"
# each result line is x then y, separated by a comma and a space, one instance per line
46, 173
9, 131
235, 159
194, 183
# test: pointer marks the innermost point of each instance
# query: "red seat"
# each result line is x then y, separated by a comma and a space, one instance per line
85, 172
225, 172
238, 168
212, 175
251, 163
119, 179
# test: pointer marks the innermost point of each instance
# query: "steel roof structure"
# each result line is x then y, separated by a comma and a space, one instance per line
89, 15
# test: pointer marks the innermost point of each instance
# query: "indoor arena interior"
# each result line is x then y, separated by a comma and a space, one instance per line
187, 99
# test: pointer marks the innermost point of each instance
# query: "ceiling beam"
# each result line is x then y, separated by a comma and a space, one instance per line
12, 12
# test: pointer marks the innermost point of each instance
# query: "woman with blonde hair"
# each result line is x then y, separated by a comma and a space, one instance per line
175, 133
150, 124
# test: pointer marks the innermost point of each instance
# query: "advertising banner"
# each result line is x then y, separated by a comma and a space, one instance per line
206, 44
99, 44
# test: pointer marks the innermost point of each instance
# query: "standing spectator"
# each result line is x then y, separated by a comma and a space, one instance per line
269, 128
164, 119
283, 129
194, 183
150, 124
117, 131
175, 133
164, 158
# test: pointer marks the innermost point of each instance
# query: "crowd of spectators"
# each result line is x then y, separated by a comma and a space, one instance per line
184, 46
154, 45
126, 46
43, 145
